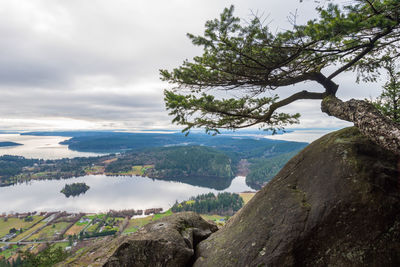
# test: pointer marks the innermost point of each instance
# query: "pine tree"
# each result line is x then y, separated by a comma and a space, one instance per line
389, 100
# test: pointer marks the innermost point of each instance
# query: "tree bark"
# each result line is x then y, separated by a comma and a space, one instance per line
371, 123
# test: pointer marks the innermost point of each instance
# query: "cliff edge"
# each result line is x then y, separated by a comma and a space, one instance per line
337, 203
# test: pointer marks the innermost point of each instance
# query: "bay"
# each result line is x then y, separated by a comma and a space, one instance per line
40, 147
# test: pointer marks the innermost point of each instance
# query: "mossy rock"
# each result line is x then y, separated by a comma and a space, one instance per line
337, 203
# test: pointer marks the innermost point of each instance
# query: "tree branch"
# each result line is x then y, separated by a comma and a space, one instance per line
284, 102
370, 46
371, 123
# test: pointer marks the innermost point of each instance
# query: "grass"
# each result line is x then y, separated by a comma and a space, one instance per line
94, 169
83, 224
74, 230
39, 175
136, 224
161, 215
48, 233
27, 232
17, 224
247, 196
215, 218
92, 228
139, 170
76, 255
9, 252
110, 160
63, 245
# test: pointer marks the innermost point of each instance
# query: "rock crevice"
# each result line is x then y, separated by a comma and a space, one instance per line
170, 241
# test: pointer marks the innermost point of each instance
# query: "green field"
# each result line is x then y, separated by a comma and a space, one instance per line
74, 230
81, 223
17, 224
94, 169
139, 170
48, 233
215, 218
92, 228
39, 175
63, 245
28, 232
137, 223
161, 215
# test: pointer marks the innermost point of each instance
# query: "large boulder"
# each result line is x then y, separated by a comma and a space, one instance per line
336, 203
166, 242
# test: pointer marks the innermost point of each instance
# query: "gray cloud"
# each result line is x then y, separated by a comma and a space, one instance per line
98, 61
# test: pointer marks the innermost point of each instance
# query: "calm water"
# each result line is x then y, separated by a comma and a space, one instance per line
44, 147
105, 193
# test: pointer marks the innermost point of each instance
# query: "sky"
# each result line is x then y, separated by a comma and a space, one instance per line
80, 64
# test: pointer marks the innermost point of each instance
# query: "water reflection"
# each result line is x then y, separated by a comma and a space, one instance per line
105, 193
218, 183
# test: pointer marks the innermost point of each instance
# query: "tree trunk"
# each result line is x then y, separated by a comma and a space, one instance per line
370, 122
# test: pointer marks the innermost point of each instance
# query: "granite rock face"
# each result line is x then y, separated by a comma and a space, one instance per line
337, 203
169, 241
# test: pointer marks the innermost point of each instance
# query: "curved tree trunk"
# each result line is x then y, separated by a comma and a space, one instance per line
370, 122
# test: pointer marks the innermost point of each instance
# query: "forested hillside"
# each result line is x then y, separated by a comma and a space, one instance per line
177, 161
222, 204
262, 170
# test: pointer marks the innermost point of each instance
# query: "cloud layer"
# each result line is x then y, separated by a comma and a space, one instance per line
94, 64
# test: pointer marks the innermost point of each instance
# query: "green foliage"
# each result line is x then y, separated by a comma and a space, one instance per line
263, 170
47, 257
222, 204
389, 100
359, 36
12, 165
74, 189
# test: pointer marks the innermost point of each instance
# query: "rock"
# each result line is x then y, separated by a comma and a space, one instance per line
336, 203
165, 242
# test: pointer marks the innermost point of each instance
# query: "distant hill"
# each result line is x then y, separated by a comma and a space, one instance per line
109, 142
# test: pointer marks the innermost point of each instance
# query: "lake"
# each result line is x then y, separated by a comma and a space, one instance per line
105, 193
40, 147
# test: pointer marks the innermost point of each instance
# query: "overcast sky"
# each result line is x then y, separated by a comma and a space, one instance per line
95, 64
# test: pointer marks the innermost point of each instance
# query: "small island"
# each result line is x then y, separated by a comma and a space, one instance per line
4, 144
74, 189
